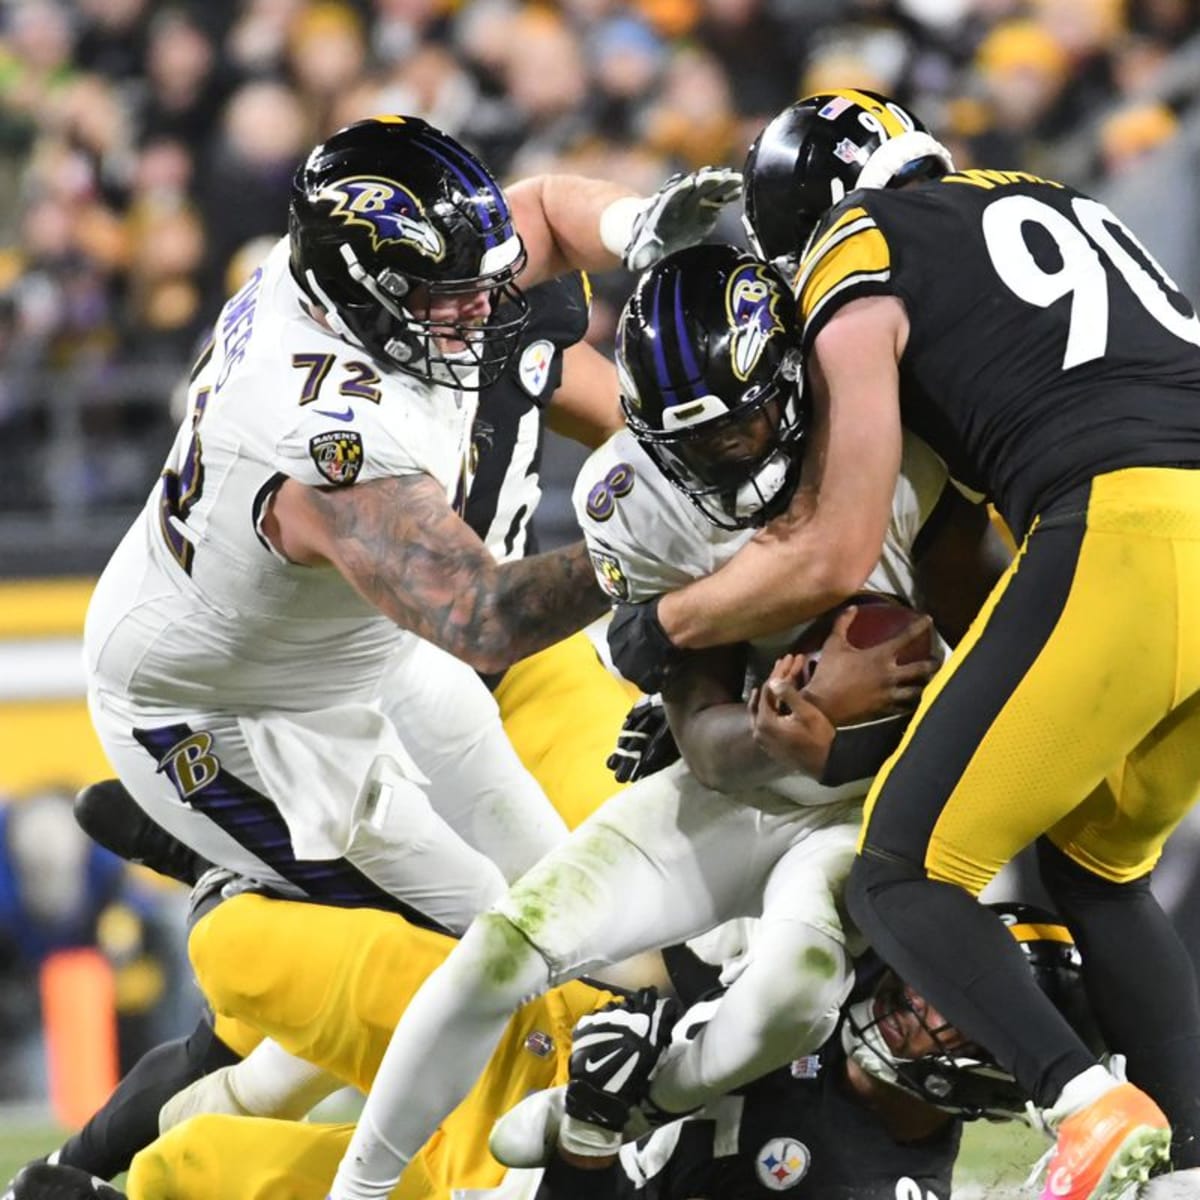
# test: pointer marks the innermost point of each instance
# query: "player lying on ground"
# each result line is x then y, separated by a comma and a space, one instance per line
874, 1111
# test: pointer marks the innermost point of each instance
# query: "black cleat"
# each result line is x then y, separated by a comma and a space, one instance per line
110, 816
41, 1181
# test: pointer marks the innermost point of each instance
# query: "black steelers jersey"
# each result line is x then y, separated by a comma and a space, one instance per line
506, 442
1046, 344
795, 1131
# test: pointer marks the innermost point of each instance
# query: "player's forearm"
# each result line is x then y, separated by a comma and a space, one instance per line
719, 748
768, 586
560, 219
538, 601
499, 614
400, 545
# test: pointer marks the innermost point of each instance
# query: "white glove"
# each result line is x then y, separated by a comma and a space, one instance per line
681, 213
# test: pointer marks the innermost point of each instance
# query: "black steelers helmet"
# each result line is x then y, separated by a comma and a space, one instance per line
819, 149
389, 205
965, 1079
708, 359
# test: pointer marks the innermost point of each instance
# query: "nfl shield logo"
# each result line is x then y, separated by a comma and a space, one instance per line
848, 151
539, 1043
808, 1066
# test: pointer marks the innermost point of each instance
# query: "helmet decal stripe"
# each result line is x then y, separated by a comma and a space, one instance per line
1028, 932
491, 236
891, 123
685, 345
660, 351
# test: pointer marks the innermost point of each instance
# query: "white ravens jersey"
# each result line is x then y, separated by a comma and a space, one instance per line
645, 538
195, 609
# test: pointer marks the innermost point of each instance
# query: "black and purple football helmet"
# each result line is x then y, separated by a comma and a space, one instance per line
389, 213
708, 359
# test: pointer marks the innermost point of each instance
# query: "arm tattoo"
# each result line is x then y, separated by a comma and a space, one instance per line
403, 548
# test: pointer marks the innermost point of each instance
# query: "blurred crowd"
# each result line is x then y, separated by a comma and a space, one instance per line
146, 146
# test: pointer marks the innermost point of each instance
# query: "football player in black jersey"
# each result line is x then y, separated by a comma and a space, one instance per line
1027, 335
876, 1114
562, 709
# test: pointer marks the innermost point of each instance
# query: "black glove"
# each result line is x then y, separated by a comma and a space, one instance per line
639, 645
613, 1052
645, 743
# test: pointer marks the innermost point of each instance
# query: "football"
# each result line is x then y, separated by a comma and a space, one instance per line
879, 618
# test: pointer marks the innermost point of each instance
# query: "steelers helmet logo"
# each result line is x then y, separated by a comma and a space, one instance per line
782, 1163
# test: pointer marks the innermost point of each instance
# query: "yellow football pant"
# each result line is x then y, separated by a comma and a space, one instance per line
562, 711
329, 985
1072, 706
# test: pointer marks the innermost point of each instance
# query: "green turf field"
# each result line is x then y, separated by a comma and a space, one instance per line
993, 1164
21, 1138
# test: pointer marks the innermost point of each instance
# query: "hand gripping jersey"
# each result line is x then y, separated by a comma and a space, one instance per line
195, 609
506, 443
645, 538
1046, 345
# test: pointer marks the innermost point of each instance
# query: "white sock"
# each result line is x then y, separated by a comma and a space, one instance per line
1086, 1087
270, 1082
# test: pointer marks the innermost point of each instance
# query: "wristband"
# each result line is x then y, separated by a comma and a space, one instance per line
587, 1140
858, 751
616, 223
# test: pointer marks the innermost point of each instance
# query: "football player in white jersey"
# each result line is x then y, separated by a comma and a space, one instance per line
674, 855
306, 534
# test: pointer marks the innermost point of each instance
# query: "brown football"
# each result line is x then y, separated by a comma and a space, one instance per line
878, 618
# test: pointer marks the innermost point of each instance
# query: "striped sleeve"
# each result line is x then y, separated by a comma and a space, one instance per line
849, 258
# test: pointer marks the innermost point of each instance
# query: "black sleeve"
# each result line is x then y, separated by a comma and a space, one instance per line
558, 313
559, 310
128, 1120
675, 1162
562, 1181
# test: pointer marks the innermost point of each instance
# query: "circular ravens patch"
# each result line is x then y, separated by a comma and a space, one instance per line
782, 1163
338, 455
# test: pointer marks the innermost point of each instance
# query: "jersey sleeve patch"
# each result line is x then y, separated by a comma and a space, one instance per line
535, 366
851, 258
337, 455
609, 573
